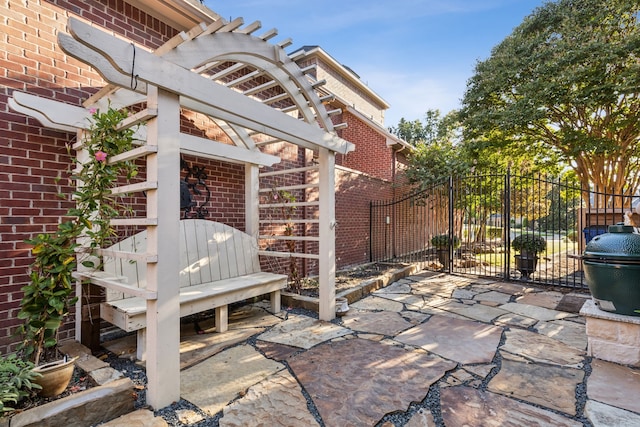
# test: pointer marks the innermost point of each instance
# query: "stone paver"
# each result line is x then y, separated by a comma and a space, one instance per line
196, 348
188, 416
377, 303
276, 351
303, 332
356, 382
383, 322
614, 384
412, 302
570, 333
493, 296
548, 300
572, 303
480, 370
464, 406
400, 287
442, 312
139, 418
431, 287
276, 401
393, 345
422, 418
549, 386
414, 317
540, 348
535, 312
211, 384
105, 375
450, 305
462, 375
253, 316
504, 287
436, 301
481, 312
464, 341
512, 319
602, 415
463, 294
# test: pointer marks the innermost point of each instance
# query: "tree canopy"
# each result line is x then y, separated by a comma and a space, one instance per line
437, 153
566, 82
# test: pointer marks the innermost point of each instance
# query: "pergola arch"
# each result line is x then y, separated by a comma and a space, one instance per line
239, 48
183, 74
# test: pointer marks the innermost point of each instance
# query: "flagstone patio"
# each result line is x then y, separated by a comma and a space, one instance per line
428, 350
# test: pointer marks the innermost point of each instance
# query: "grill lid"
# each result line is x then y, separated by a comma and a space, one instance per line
621, 243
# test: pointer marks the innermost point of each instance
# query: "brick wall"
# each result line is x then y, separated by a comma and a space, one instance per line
372, 156
32, 157
354, 192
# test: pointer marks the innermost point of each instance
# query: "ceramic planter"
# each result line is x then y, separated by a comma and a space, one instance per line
55, 376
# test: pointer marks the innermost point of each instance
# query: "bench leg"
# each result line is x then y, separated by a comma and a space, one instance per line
275, 302
141, 352
222, 318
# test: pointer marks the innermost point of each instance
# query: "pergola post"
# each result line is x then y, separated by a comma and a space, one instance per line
251, 200
163, 327
327, 235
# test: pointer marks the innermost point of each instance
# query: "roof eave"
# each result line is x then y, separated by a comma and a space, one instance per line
346, 73
392, 140
180, 14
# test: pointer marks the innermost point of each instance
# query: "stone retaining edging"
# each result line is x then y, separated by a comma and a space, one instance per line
352, 295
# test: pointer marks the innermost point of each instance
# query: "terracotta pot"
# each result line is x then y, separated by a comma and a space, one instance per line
55, 376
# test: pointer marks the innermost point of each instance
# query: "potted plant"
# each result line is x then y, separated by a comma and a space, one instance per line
50, 294
443, 243
529, 245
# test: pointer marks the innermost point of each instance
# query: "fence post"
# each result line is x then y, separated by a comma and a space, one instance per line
371, 231
451, 219
506, 224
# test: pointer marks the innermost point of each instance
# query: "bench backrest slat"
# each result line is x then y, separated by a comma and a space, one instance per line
209, 251
220, 244
202, 252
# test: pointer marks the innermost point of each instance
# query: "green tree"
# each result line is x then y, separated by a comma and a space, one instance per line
437, 153
566, 82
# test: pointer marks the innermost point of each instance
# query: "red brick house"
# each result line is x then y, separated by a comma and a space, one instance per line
373, 171
32, 156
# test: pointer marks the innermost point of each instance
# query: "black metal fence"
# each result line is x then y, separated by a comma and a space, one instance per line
476, 218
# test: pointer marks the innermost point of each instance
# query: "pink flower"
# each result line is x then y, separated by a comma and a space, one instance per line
101, 156
93, 110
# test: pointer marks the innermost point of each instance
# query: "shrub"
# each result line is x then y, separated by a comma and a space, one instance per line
442, 241
529, 243
16, 381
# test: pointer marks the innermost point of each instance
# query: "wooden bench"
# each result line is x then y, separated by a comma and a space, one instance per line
218, 266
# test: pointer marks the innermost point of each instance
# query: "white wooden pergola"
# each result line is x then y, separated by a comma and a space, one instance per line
253, 91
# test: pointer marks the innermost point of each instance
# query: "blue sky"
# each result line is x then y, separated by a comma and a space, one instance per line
416, 54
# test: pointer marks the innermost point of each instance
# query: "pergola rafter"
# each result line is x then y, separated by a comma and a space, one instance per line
243, 84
